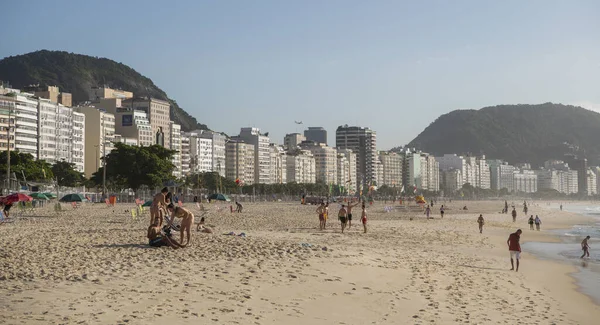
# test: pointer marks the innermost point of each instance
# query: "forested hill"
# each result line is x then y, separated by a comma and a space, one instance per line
516, 133
76, 74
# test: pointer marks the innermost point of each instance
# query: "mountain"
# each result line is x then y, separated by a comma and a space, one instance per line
76, 74
515, 133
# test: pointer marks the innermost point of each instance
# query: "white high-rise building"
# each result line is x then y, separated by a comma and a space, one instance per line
262, 156
78, 153
301, 167
525, 180
175, 130
278, 168
484, 180
592, 181
501, 175
99, 136
392, 164
185, 155
25, 119
348, 176
451, 180
239, 161
218, 150
204, 155
433, 174
325, 161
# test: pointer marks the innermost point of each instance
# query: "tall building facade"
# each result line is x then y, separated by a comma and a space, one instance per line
525, 181
262, 156
501, 175
78, 153
25, 125
218, 150
325, 161
363, 142
185, 155
301, 167
451, 180
348, 175
175, 135
132, 123
7, 122
392, 164
316, 134
292, 141
239, 161
99, 136
278, 165
159, 115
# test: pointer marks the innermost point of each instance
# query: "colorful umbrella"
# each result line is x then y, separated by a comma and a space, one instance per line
16, 197
50, 195
73, 198
39, 196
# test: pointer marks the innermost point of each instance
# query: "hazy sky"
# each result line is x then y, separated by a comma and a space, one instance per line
393, 66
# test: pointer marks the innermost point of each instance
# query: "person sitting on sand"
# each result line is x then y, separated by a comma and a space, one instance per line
537, 222
321, 213
158, 203
585, 247
363, 218
157, 239
514, 248
514, 214
343, 216
203, 228
186, 222
480, 221
239, 207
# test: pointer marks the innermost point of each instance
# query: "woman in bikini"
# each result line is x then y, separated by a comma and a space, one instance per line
157, 239
158, 203
187, 220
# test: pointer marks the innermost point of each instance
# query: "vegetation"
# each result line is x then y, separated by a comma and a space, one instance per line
23, 164
77, 74
66, 175
515, 133
133, 167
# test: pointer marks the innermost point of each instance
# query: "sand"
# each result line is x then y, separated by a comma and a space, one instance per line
92, 265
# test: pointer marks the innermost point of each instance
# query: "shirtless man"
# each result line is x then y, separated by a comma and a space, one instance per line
158, 203
350, 206
480, 221
157, 239
514, 248
342, 215
321, 213
585, 247
186, 222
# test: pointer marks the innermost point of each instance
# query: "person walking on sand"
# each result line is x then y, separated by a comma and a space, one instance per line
514, 248
538, 222
350, 206
480, 221
442, 211
321, 213
514, 214
363, 218
530, 222
585, 247
325, 215
427, 211
342, 215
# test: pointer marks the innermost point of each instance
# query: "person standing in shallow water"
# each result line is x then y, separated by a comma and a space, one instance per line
585, 247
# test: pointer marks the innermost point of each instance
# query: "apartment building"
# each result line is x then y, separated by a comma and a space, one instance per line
292, 141
106, 92
525, 181
316, 134
218, 150
51, 93
301, 167
451, 180
325, 161
132, 123
185, 155
363, 142
262, 156
78, 148
239, 161
26, 123
99, 136
175, 134
158, 114
392, 164
7, 107
278, 164
501, 175
347, 177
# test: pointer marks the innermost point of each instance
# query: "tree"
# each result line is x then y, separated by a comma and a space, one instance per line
133, 167
66, 175
24, 164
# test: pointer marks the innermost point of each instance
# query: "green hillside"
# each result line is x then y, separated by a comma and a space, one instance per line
76, 74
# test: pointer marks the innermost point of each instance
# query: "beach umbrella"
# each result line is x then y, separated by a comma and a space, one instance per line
219, 197
147, 203
16, 197
39, 196
50, 195
73, 198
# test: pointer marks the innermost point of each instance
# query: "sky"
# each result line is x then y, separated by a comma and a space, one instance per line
392, 66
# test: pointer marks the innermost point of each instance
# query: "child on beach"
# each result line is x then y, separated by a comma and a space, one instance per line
363, 218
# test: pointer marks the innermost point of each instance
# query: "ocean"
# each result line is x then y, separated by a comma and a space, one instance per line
569, 249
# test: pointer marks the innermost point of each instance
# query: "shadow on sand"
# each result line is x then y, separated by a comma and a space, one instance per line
485, 268
123, 246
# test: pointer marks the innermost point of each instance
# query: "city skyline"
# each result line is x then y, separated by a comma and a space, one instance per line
334, 63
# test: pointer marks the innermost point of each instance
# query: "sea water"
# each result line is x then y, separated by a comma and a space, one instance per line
569, 249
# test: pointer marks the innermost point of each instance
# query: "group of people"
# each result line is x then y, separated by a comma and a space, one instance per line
537, 221
428, 210
344, 215
162, 206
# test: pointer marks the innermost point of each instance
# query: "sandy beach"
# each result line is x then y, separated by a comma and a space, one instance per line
92, 265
